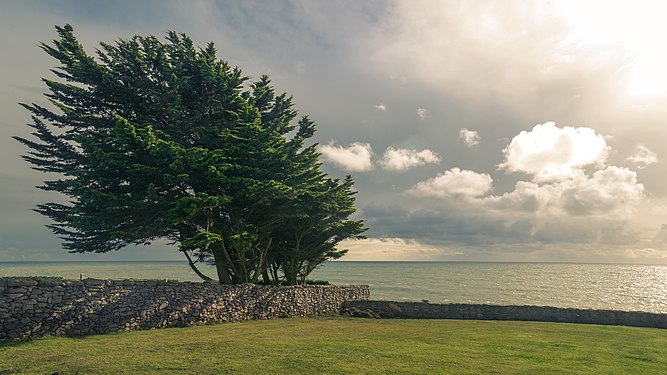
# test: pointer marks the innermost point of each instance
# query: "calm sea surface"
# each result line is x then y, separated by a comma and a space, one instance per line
599, 286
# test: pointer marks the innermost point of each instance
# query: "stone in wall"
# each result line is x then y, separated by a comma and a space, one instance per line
424, 310
31, 308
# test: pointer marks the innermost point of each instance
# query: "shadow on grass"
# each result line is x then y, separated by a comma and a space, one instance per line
12, 343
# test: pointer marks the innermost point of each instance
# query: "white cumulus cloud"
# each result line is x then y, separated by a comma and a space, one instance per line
381, 107
422, 113
550, 153
610, 192
454, 183
469, 137
527, 197
403, 159
355, 158
643, 157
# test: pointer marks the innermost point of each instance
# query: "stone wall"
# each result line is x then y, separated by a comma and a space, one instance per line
35, 307
423, 310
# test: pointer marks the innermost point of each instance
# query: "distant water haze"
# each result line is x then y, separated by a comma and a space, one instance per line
596, 286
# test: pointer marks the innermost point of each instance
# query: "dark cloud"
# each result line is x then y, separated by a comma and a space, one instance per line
445, 227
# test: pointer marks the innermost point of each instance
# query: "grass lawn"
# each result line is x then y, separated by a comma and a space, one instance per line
347, 345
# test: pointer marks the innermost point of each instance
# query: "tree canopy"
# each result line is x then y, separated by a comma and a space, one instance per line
162, 140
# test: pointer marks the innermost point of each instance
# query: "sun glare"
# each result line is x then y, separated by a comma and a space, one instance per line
636, 28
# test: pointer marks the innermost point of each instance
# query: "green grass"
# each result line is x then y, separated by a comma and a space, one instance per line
354, 346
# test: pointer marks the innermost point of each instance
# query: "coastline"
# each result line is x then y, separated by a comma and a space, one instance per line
585, 286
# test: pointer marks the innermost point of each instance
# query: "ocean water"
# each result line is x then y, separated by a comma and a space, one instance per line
598, 286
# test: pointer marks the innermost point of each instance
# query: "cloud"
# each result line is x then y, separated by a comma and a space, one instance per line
446, 226
659, 210
612, 190
403, 159
550, 153
394, 249
355, 158
482, 235
381, 107
518, 53
469, 137
643, 157
454, 183
660, 237
610, 193
526, 197
422, 113
572, 198
358, 157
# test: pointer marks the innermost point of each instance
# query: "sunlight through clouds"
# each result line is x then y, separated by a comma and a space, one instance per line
637, 27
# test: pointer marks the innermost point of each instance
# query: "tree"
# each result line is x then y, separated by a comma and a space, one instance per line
157, 140
308, 239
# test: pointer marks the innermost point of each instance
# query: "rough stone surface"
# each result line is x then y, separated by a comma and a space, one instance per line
19, 282
425, 310
357, 313
31, 308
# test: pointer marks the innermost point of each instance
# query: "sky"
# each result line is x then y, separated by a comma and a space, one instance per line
475, 130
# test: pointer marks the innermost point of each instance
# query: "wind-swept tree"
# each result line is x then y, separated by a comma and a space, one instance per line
312, 235
155, 140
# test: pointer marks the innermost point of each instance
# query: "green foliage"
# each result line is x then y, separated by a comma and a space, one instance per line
311, 236
153, 140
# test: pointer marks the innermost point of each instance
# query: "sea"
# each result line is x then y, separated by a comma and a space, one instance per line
594, 286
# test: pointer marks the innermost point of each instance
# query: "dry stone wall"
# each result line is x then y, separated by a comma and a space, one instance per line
35, 307
424, 310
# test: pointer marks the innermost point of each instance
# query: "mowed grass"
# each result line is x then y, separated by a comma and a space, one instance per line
350, 346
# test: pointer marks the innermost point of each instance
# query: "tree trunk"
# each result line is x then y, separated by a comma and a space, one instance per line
274, 273
194, 268
221, 261
261, 266
265, 275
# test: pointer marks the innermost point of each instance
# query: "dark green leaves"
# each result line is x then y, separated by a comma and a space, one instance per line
154, 139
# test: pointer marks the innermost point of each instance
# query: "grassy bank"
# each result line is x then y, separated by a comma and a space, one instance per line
342, 345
